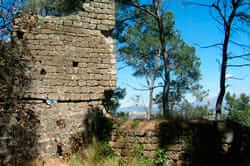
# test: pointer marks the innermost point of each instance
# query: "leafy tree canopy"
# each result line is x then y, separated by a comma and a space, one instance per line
111, 100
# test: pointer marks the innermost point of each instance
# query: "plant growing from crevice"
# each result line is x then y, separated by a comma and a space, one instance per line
138, 154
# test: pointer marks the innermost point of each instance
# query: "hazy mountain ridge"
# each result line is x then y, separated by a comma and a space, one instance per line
137, 109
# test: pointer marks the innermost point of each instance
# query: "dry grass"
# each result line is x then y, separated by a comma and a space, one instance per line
87, 157
55, 162
77, 160
140, 125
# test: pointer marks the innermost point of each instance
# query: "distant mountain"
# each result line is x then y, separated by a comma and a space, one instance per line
137, 109
209, 101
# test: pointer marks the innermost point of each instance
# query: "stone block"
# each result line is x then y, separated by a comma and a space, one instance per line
170, 163
183, 163
151, 147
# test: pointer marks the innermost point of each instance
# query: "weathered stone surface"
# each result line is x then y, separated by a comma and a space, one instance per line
73, 63
170, 163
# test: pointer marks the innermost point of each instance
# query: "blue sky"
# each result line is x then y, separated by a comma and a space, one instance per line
196, 27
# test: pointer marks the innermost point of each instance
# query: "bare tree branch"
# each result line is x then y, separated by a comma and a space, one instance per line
242, 65
141, 7
235, 78
239, 56
197, 4
220, 13
240, 44
244, 16
215, 18
144, 89
209, 46
127, 19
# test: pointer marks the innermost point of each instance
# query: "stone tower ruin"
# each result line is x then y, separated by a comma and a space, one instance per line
72, 65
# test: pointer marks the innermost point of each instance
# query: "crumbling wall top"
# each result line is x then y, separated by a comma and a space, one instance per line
73, 58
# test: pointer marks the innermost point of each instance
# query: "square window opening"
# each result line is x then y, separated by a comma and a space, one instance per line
75, 64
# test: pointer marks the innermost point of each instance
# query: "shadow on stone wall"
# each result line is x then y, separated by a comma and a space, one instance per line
98, 128
18, 123
205, 143
239, 151
18, 135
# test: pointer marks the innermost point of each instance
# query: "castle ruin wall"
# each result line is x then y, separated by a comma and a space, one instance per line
72, 64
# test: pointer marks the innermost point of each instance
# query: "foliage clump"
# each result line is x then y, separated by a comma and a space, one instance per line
238, 108
53, 7
160, 157
111, 99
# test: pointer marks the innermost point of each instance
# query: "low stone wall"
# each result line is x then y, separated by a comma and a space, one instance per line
186, 143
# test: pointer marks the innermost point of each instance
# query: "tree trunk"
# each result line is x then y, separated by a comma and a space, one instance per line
223, 75
151, 85
227, 27
165, 94
150, 104
164, 55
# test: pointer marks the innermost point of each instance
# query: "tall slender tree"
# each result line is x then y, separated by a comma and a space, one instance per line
232, 16
141, 52
165, 44
184, 70
164, 29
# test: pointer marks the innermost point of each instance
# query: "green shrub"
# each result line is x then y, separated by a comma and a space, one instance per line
138, 151
103, 150
160, 157
238, 108
138, 156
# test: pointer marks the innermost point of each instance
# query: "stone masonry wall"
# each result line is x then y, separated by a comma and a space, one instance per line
72, 63
189, 143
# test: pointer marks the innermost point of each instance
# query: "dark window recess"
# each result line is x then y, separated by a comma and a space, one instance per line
59, 150
75, 64
43, 72
20, 34
107, 33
